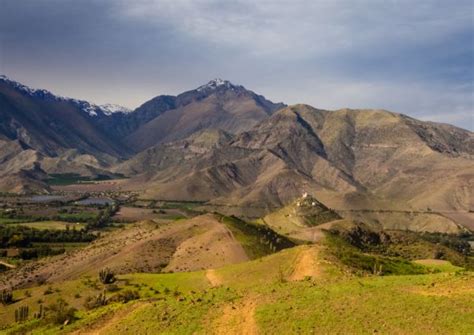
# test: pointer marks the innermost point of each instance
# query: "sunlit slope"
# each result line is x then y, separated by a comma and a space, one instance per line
348, 159
205, 241
299, 290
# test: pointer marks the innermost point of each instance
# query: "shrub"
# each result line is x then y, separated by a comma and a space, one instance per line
438, 254
281, 276
112, 288
61, 312
126, 296
96, 301
6, 297
106, 276
49, 290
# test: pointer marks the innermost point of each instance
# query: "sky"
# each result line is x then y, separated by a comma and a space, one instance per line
410, 57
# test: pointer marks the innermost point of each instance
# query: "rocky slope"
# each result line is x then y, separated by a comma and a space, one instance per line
218, 104
54, 134
51, 124
351, 159
225, 144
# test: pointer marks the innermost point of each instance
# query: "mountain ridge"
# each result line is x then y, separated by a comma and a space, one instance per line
217, 104
227, 145
342, 154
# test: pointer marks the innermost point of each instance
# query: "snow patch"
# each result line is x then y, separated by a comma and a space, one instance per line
109, 109
87, 107
215, 83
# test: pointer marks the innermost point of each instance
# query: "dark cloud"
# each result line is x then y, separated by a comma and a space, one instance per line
410, 57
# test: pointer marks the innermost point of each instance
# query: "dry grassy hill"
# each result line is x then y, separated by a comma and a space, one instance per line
206, 241
304, 219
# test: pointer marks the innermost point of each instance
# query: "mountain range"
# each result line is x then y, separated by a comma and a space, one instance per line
228, 146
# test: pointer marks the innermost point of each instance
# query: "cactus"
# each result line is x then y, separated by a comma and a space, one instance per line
21, 314
377, 271
6, 297
106, 276
101, 299
40, 313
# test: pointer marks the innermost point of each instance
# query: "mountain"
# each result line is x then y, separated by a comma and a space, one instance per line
349, 159
27, 113
218, 104
66, 135
224, 144
42, 133
52, 124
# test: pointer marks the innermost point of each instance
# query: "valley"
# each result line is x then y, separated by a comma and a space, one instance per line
219, 211
178, 267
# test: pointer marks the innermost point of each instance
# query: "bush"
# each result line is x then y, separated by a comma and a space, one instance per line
126, 296
112, 288
61, 313
96, 301
106, 276
49, 290
6, 297
438, 254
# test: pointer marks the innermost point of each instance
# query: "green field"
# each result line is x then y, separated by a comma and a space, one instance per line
55, 225
6, 220
73, 178
80, 217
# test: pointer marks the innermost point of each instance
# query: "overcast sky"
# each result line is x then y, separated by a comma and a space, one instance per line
412, 57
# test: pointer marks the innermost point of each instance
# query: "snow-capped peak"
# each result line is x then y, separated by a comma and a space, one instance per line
109, 109
215, 83
85, 106
24, 88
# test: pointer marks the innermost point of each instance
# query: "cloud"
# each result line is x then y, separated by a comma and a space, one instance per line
297, 29
409, 57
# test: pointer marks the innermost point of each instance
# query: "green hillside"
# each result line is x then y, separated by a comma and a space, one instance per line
263, 296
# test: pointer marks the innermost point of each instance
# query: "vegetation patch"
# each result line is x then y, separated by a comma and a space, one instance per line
257, 240
409, 245
52, 225
362, 262
74, 178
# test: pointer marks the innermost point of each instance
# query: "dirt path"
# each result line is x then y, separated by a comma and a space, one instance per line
238, 318
307, 264
213, 278
8, 265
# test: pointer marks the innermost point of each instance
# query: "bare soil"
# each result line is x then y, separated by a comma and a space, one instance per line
307, 264
238, 318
